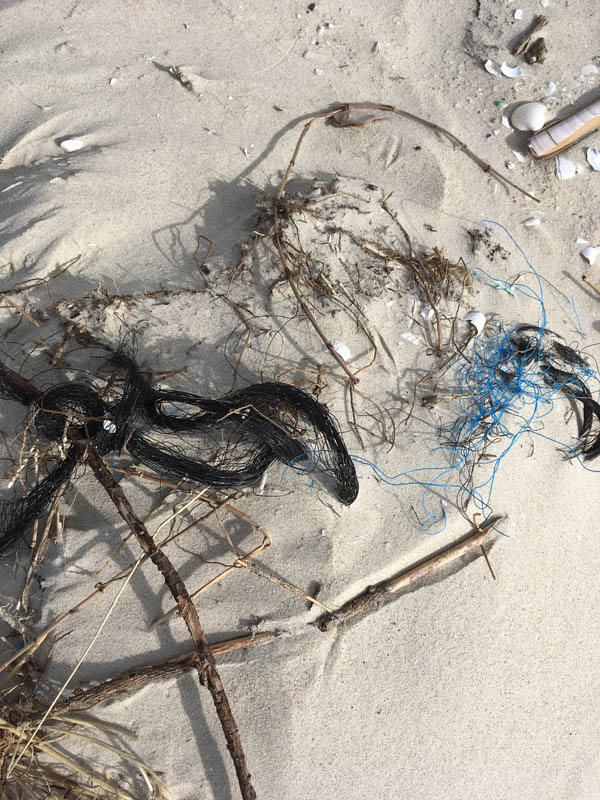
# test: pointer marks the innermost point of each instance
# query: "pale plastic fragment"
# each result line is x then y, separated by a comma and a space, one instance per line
109, 426
511, 72
426, 313
544, 3
505, 122
552, 87
531, 221
492, 67
589, 69
593, 158
518, 13
477, 320
565, 168
529, 117
590, 254
71, 145
581, 240
341, 349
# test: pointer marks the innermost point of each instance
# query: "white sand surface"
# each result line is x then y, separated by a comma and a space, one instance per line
468, 688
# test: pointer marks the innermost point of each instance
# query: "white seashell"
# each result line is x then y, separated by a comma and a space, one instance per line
518, 13
505, 121
477, 320
529, 117
565, 169
593, 158
341, 349
71, 145
531, 221
511, 72
563, 133
590, 254
492, 67
589, 69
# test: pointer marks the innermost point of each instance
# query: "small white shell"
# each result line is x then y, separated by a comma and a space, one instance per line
341, 349
492, 67
529, 117
71, 145
590, 254
477, 320
565, 168
511, 72
593, 158
531, 221
518, 13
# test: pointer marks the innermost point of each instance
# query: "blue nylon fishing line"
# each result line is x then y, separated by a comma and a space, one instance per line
504, 391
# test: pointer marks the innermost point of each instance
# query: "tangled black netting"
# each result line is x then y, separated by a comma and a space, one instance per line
234, 439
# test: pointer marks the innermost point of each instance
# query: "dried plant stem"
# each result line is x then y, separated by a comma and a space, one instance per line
207, 669
373, 596
136, 677
593, 286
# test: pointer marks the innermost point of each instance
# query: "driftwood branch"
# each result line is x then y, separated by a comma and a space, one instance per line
136, 677
373, 596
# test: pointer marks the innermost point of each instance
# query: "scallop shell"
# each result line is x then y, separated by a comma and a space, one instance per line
529, 117
341, 349
562, 133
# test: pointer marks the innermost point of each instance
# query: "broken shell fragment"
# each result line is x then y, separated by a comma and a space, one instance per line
590, 254
562, 133
511, 72
477, 320
529, 117
71, 145
531, 221
492, 67
593, 158
565, 169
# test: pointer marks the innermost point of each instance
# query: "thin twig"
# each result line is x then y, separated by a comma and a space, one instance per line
373, 596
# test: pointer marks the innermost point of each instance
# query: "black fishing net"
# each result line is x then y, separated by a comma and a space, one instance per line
227, 443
